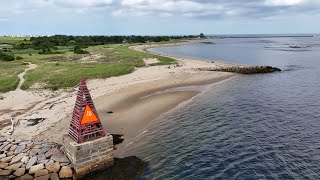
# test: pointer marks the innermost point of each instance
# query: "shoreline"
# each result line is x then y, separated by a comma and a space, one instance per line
130, 97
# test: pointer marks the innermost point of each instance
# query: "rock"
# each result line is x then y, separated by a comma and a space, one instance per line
23, 166
45, 177
19, 172
65, 164
3, 165
44, 150
3, 139
44, 161
3, 156
55, 167
6, 148
25, 159
13, 147
33, 152
65, 172
25, 143
12, 177
35, 168
10, 153
5, 172
51, 152
60, 157
17, 158
41, 157
19, 149
26, 177
54, 176
6, 159
41, 172
50, 162
14, 166
3, 145
31, 162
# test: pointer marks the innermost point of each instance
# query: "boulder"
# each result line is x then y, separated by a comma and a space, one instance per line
5, 172
45, 177
19, 172
26, 177
62, 158
10, 153
6, 159
3, 156
65, 172
34, 152
19, 149
14, 166
51, 152
17, 158
13, 147
41, 157
6, 148
31, 162
55, 167
25, 159
41, 172
44, 150
54, 176
35, 168
3, 165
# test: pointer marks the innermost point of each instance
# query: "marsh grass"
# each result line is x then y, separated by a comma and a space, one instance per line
65, 70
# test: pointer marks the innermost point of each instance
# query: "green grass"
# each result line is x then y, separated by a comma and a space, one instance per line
8, 75
8, 83
12, 40
64, 70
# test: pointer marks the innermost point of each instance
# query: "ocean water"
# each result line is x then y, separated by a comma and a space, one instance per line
264, 126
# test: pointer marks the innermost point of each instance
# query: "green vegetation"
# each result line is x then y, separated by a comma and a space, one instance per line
8, 75
78, 50
62, 62
6, 57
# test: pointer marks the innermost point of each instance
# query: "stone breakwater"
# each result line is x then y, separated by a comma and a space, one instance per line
27, 159
241, 69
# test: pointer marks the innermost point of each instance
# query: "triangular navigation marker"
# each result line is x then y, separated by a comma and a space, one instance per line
85, 124
88, 116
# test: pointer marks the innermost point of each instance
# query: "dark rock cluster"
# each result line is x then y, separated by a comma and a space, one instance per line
241, 69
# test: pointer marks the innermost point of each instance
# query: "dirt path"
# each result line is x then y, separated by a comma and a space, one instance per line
21, 75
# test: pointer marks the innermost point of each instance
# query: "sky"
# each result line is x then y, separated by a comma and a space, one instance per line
159, 17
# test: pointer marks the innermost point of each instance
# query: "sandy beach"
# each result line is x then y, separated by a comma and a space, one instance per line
135, 100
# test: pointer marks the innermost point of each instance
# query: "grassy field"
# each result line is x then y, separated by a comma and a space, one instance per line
56, 71
12, 40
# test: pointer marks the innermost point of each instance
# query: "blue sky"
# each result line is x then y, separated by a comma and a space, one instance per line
158, 17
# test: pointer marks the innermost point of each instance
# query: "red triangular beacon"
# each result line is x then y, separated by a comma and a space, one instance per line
85, 124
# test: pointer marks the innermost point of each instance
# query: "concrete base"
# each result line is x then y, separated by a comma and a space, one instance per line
90, 156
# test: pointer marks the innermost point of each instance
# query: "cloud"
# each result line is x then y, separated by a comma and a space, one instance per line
284, 2
3, 19
84, 2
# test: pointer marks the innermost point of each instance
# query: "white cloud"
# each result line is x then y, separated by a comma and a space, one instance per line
84, 2
284, 2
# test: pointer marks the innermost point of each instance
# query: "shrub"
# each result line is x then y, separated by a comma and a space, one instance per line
19, 58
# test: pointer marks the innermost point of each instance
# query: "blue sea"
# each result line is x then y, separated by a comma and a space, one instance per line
264, 126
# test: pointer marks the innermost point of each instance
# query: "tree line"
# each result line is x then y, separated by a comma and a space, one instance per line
47, 42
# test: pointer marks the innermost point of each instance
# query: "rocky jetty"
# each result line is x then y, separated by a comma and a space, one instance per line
27, 159
241, 69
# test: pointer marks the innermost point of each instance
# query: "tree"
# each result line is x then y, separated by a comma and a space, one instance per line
202, 35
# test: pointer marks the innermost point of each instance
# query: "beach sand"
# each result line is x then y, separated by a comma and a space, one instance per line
135, 100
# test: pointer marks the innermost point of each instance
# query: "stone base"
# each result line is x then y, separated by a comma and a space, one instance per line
89, 156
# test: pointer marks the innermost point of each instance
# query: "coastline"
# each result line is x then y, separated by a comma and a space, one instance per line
130, 97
